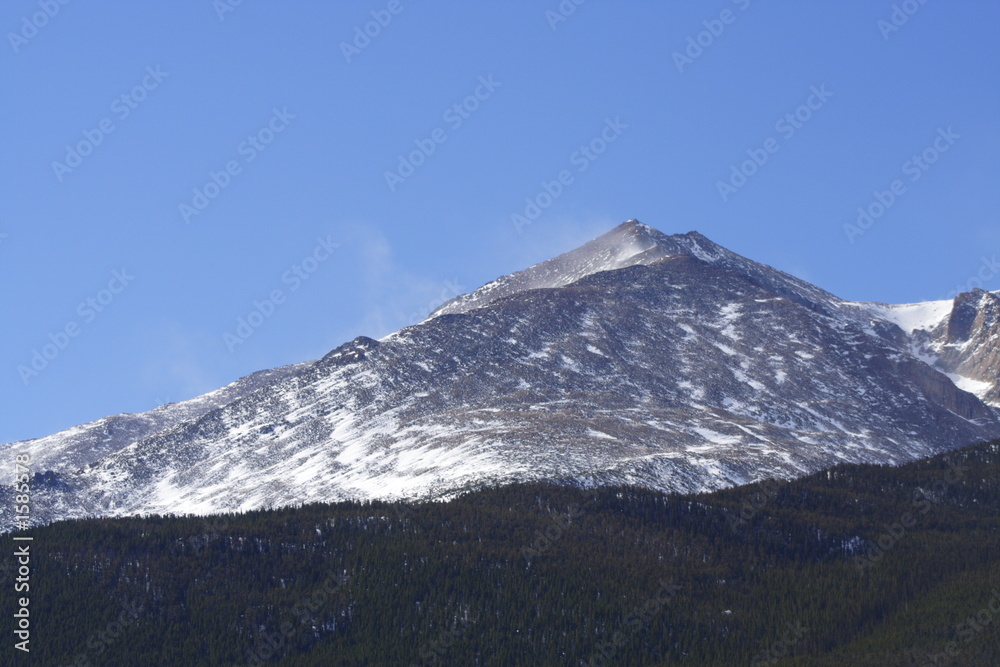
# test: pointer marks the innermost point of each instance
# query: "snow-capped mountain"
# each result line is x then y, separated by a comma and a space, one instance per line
960, 337
82, 445
639, 358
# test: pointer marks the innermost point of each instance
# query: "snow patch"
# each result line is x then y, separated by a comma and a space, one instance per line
716, 437
912, 316
977, 387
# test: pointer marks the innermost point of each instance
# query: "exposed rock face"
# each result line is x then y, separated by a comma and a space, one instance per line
969, 345
639, 358
82, 445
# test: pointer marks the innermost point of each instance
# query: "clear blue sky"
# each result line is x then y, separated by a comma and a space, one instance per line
160, 95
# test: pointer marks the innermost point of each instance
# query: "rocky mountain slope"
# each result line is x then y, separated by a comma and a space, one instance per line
663, 361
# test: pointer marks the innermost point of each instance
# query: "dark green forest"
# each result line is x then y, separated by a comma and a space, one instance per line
856, 565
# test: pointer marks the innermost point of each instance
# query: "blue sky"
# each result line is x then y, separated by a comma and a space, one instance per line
172, 167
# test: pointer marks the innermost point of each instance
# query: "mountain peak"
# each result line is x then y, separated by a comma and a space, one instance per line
635, 240
636, 229
637, 226
638, 358
628, 244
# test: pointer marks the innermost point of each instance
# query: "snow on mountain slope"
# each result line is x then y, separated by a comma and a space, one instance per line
913, 316
81, 445
960, 337
631, 243
639, 358
967, 343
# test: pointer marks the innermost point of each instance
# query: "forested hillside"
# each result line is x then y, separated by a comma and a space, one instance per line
863, 565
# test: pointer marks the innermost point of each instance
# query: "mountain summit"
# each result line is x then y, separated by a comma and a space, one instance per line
639, 358
631, 243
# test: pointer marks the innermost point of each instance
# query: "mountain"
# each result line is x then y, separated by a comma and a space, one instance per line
82, 445
630, 244
960, 337
819, 570
666, 362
